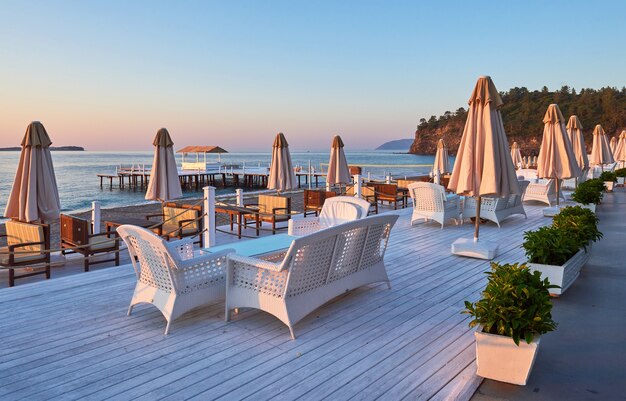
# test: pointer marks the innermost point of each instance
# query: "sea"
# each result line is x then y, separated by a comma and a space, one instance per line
76, 172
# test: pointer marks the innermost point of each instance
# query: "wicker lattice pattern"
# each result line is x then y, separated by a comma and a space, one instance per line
430, 202
309, 267
153, 264
348, 251
201, 273
374, 249
265, 281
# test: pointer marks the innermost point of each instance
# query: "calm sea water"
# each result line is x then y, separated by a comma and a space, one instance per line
79, 186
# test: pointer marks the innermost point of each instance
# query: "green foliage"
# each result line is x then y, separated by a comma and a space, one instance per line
550, 245
608, 176
523, 110
580, 222
515, 303
620, 172
590, 191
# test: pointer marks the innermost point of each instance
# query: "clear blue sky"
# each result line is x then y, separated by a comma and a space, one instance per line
108, 74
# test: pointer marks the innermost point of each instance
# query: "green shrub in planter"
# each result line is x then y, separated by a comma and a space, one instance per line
589, 192
515, 303
620, 172
550, 245
608, 176
579, 222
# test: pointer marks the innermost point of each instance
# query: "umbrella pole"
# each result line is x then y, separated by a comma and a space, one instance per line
558, 190
477, 222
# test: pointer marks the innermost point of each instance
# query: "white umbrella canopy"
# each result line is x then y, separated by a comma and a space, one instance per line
556, 156
516, 155
442, 162
613, 144
600, 151
282, 177
164, 183
483, 164
34, 195
338, 170
575, 134
620, 149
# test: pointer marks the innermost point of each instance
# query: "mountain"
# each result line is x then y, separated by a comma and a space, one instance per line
398, 144
522, 114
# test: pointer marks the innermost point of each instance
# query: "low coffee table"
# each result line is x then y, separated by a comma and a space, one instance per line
239, 211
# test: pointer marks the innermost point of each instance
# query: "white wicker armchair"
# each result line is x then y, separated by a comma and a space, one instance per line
170, 276
542, 191
316, 269
431, 202
336, 210
495, 208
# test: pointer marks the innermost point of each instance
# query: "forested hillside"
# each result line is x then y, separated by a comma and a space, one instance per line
523, 112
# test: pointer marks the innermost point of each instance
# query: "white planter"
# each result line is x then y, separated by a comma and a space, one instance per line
621, 180
609, 185
564, 275
498, 358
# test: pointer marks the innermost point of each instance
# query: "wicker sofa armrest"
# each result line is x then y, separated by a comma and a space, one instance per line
301, 227
255, 262
203, 259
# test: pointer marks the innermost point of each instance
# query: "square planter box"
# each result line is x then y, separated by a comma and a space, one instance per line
498, 358
565, 275
591, 206
621, 180
609, 185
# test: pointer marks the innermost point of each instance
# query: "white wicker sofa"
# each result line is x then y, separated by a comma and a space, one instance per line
315, 269
542, 191
170, 276
494, 208
336, 210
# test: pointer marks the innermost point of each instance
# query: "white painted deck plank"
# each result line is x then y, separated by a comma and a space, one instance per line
410, 341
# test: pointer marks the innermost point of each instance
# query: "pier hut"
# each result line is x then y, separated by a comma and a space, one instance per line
199, 164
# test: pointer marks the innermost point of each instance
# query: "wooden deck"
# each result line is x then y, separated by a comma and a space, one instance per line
70, 338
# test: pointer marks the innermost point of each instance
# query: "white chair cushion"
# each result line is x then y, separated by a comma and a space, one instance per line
338, 213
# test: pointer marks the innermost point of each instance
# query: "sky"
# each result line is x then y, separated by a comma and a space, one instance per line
107, 75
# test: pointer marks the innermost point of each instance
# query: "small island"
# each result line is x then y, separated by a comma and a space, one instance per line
61, 148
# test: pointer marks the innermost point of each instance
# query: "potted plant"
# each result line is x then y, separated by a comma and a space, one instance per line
609, 178
620, 175
512, 314
559, 251
589, 193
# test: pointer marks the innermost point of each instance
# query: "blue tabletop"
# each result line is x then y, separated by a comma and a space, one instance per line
257, 246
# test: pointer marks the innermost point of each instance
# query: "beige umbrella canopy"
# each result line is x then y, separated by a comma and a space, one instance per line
282, 177
556, 157
600, 151
620, 149
338, 170
442, 162
164, 184
483, 164
34, 195
613, 144
575, 134
516, 155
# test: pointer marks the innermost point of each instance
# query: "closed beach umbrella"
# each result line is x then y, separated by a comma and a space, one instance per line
620, 149
600, 151
282, 177
442, 164
613, 144
575, 134
516, 155
556, 157
483, 164
34, 195
338, 171
164, 184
